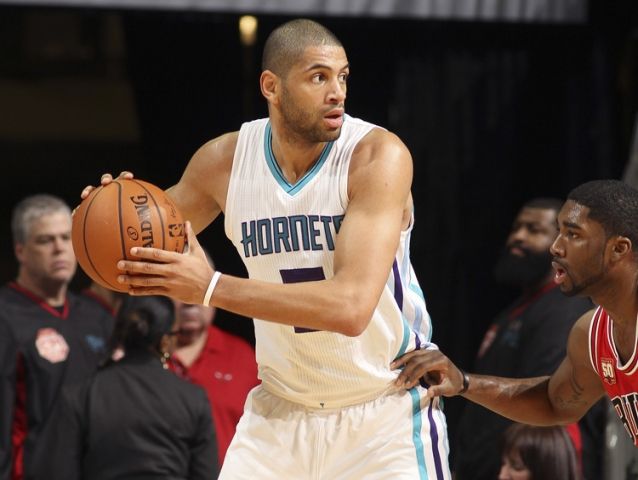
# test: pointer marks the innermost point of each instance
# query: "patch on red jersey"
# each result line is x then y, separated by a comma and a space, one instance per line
607, 367
51, 345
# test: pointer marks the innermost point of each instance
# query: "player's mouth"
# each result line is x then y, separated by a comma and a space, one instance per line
334, 118
560, 272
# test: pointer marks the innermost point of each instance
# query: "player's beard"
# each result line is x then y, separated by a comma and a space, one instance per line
305, 126
523, 272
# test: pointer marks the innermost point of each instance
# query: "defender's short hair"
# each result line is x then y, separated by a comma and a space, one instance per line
32, 208
287, 43
613, 204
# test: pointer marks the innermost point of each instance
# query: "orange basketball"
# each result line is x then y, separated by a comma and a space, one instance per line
121, 215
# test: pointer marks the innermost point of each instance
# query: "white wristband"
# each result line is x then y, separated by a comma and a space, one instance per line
211, 288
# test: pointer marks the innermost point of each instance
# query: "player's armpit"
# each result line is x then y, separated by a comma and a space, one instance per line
201, 192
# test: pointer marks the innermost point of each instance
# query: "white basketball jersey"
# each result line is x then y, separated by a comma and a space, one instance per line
286, 233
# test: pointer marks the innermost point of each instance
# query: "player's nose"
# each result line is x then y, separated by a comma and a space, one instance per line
556, 248
337, 92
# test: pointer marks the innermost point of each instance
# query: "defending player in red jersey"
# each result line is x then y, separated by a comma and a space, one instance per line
595, 255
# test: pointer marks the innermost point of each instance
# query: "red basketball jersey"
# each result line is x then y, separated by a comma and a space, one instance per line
620, 381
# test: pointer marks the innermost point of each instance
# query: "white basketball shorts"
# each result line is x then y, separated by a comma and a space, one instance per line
398, 436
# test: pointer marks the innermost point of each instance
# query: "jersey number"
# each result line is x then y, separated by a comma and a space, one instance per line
297, 275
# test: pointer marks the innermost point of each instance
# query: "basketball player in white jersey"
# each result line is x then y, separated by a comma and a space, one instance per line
318, 205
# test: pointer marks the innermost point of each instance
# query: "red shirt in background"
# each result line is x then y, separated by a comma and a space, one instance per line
227, 370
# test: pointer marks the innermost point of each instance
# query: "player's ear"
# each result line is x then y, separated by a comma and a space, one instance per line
620, 247
269, 84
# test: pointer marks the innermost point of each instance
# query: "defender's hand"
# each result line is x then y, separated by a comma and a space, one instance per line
438, 371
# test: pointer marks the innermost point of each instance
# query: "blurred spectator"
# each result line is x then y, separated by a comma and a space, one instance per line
49, 336
538, 453
109, 300
222, 363
133, 418
527, 339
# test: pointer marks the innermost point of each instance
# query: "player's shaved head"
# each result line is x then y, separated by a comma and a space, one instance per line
287, 43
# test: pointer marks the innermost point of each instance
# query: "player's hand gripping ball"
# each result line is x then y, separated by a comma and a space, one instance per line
121, 215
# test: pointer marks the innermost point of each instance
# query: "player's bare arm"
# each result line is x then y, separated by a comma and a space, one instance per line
379, 189
562, 398
200, 195
574, 387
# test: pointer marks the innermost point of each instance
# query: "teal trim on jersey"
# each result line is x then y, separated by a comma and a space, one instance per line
417, 289
275, 169
421, 314
406, 336
417, 424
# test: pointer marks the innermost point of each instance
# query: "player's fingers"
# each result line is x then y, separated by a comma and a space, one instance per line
141, 268
191, 239
409, 376
411, 383
155, 254
125, 174
85, 193
144, 268
402, 360
146, 280
432, 392
106, 178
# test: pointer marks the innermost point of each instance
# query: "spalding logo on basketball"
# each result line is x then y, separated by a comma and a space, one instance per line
117, 217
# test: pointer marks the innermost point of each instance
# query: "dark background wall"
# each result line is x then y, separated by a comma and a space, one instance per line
494, 114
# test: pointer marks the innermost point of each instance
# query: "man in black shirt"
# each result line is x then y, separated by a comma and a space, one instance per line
49, 337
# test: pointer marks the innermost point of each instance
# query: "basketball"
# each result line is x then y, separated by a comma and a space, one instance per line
116, 217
